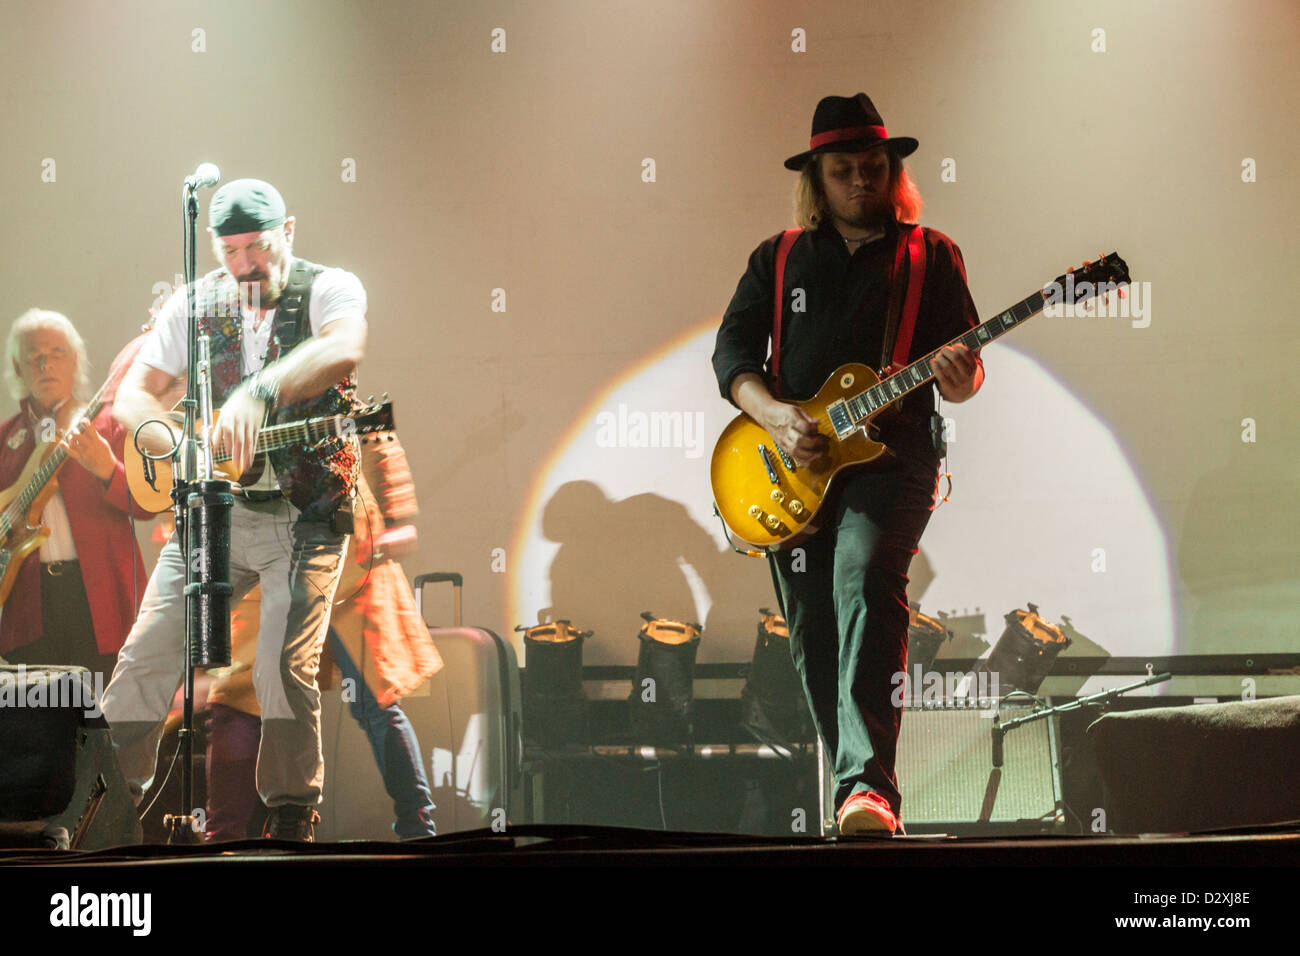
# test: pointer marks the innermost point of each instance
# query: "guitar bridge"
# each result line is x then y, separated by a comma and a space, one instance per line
767, 464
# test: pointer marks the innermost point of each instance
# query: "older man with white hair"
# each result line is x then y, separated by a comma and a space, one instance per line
73, 599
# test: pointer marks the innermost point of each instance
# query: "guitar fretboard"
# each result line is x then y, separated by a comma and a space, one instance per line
275, 437
17, 509
905, 380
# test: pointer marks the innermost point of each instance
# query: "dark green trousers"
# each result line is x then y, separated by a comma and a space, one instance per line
844, 594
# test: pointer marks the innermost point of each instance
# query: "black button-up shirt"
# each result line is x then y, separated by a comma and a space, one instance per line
835, 310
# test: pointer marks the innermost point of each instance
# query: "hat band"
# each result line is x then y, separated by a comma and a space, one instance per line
849, 132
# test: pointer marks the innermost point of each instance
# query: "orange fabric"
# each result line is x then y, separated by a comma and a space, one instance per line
374, 613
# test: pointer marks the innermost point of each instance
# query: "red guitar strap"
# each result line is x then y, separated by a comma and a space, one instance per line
915, 246
778, 309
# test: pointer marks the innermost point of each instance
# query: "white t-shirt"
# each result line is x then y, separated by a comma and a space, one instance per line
334, 294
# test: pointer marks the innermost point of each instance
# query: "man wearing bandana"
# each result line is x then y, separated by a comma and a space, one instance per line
286, 336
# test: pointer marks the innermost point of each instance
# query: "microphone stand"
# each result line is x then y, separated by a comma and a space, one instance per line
202, 510
1103, 699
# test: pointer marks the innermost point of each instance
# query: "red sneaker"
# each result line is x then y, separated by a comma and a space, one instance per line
866, 812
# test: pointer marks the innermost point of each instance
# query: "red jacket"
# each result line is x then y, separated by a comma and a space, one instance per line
100, 531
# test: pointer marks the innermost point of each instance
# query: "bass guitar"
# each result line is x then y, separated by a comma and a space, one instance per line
23, 502
769, 502
151, 480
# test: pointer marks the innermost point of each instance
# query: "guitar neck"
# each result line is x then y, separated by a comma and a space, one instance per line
50, 467
921, 372
306, 432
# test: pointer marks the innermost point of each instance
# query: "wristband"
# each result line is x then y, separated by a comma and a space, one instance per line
264, 388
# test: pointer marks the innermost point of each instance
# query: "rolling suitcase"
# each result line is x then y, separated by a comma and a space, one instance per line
477, 734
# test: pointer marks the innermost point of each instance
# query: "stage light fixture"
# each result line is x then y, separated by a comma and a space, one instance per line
555, 704
773, 705
662, 702
1026, 651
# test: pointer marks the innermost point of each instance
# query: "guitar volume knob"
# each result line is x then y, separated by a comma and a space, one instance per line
796, 507
778, 495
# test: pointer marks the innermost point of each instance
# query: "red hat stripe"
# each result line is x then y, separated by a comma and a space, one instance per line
850, 132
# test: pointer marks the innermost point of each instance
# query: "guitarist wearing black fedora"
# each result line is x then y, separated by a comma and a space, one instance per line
858, 284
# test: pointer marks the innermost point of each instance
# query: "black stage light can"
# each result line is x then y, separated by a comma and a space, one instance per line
663, 692
1026, 652
773, 706
555, 704
925, 636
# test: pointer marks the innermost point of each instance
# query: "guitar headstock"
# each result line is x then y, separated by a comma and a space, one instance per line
1097, 277
374, 417
1105, 269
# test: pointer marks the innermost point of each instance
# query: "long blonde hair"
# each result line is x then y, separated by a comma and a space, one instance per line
810, 209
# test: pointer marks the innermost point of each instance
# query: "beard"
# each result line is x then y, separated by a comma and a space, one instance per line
876, 211
260, 290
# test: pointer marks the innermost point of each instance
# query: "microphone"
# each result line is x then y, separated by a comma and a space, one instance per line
206, 175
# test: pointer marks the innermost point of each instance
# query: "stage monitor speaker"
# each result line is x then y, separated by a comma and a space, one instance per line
948, 780
1200, 767
57, 763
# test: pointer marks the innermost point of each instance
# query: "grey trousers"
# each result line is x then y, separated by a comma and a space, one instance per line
298, 564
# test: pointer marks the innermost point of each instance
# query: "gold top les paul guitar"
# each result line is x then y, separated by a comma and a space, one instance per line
768, 502
151, 480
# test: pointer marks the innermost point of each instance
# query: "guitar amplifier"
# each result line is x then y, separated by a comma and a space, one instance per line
946, 773
948, 781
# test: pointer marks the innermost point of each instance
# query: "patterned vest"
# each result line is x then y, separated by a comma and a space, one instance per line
317, 478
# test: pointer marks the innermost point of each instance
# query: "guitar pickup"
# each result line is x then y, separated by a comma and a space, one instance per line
840, 418
767, 464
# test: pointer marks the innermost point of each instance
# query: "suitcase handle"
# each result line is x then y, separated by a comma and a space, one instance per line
436, 577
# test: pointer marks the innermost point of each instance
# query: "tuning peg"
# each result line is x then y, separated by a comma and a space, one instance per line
370, 400
383, 397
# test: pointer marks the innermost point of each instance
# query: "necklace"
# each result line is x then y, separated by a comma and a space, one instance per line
870, 237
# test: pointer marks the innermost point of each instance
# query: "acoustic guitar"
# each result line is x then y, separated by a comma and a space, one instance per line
769, 502
151, 480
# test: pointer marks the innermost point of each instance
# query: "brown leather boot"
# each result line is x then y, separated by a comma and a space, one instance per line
291, 822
